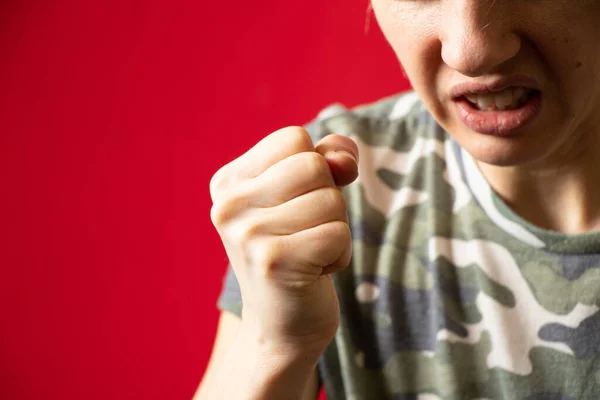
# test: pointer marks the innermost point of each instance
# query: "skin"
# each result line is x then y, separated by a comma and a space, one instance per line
441, 43
284, 225
283, 221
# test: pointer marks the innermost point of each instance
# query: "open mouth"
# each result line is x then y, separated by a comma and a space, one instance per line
507, 99
499, 113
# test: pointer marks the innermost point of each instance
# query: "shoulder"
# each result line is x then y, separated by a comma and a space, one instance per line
393, 121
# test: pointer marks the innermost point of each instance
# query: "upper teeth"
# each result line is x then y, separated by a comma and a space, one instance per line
506, 99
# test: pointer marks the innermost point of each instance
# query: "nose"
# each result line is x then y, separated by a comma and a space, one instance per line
477, 36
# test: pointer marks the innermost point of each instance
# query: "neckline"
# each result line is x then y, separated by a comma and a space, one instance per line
512, 223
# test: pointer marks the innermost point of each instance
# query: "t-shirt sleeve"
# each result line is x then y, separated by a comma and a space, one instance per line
230, 298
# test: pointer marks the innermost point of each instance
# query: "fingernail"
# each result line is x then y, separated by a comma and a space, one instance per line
348, 154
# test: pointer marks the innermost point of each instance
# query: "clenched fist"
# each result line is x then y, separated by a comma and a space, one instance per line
282, 219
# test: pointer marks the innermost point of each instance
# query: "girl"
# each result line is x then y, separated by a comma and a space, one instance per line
440, 244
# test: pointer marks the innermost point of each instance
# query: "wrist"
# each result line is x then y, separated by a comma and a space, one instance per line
267, 370
289, 349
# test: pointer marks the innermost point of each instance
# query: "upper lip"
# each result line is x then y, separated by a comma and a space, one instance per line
492, 85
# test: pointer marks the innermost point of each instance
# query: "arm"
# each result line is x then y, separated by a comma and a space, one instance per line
284, 226
239, 369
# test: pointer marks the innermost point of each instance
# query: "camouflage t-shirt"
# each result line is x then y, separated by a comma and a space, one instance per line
450, 294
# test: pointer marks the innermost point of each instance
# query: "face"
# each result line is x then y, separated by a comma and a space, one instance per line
513, 81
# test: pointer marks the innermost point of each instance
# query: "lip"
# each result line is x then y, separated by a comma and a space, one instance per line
496, 123
494, 84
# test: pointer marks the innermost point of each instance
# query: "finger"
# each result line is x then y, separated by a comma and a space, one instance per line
292, 177
270, 150
328, 246
342, 155
307, 211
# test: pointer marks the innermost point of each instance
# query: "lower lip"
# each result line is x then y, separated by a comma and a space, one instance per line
498, 123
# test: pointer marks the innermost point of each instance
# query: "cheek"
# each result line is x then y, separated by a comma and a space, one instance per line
572, 63
407, 26
421, 59
411, 32
569, 50
410, 28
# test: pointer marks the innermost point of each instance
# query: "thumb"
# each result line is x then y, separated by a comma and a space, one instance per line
341, 154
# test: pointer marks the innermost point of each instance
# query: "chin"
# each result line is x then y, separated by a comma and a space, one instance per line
501, 151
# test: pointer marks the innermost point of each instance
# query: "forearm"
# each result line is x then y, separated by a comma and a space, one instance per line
256, 371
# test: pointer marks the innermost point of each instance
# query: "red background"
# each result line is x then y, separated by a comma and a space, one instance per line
113, 117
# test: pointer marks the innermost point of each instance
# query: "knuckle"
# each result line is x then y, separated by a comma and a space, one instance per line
250, 236
267, 256
317, 166
298, 138
218, 182
227, 207
345, 232
332, 239
335, 199
339, 230
246, 234
218, 214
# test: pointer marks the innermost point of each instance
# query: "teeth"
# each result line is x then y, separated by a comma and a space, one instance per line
486, 101
498, 101
519, 93
504, 99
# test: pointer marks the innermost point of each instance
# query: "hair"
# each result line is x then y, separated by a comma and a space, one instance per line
368, 16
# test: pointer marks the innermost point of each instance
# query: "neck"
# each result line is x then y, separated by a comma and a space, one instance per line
562, 196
